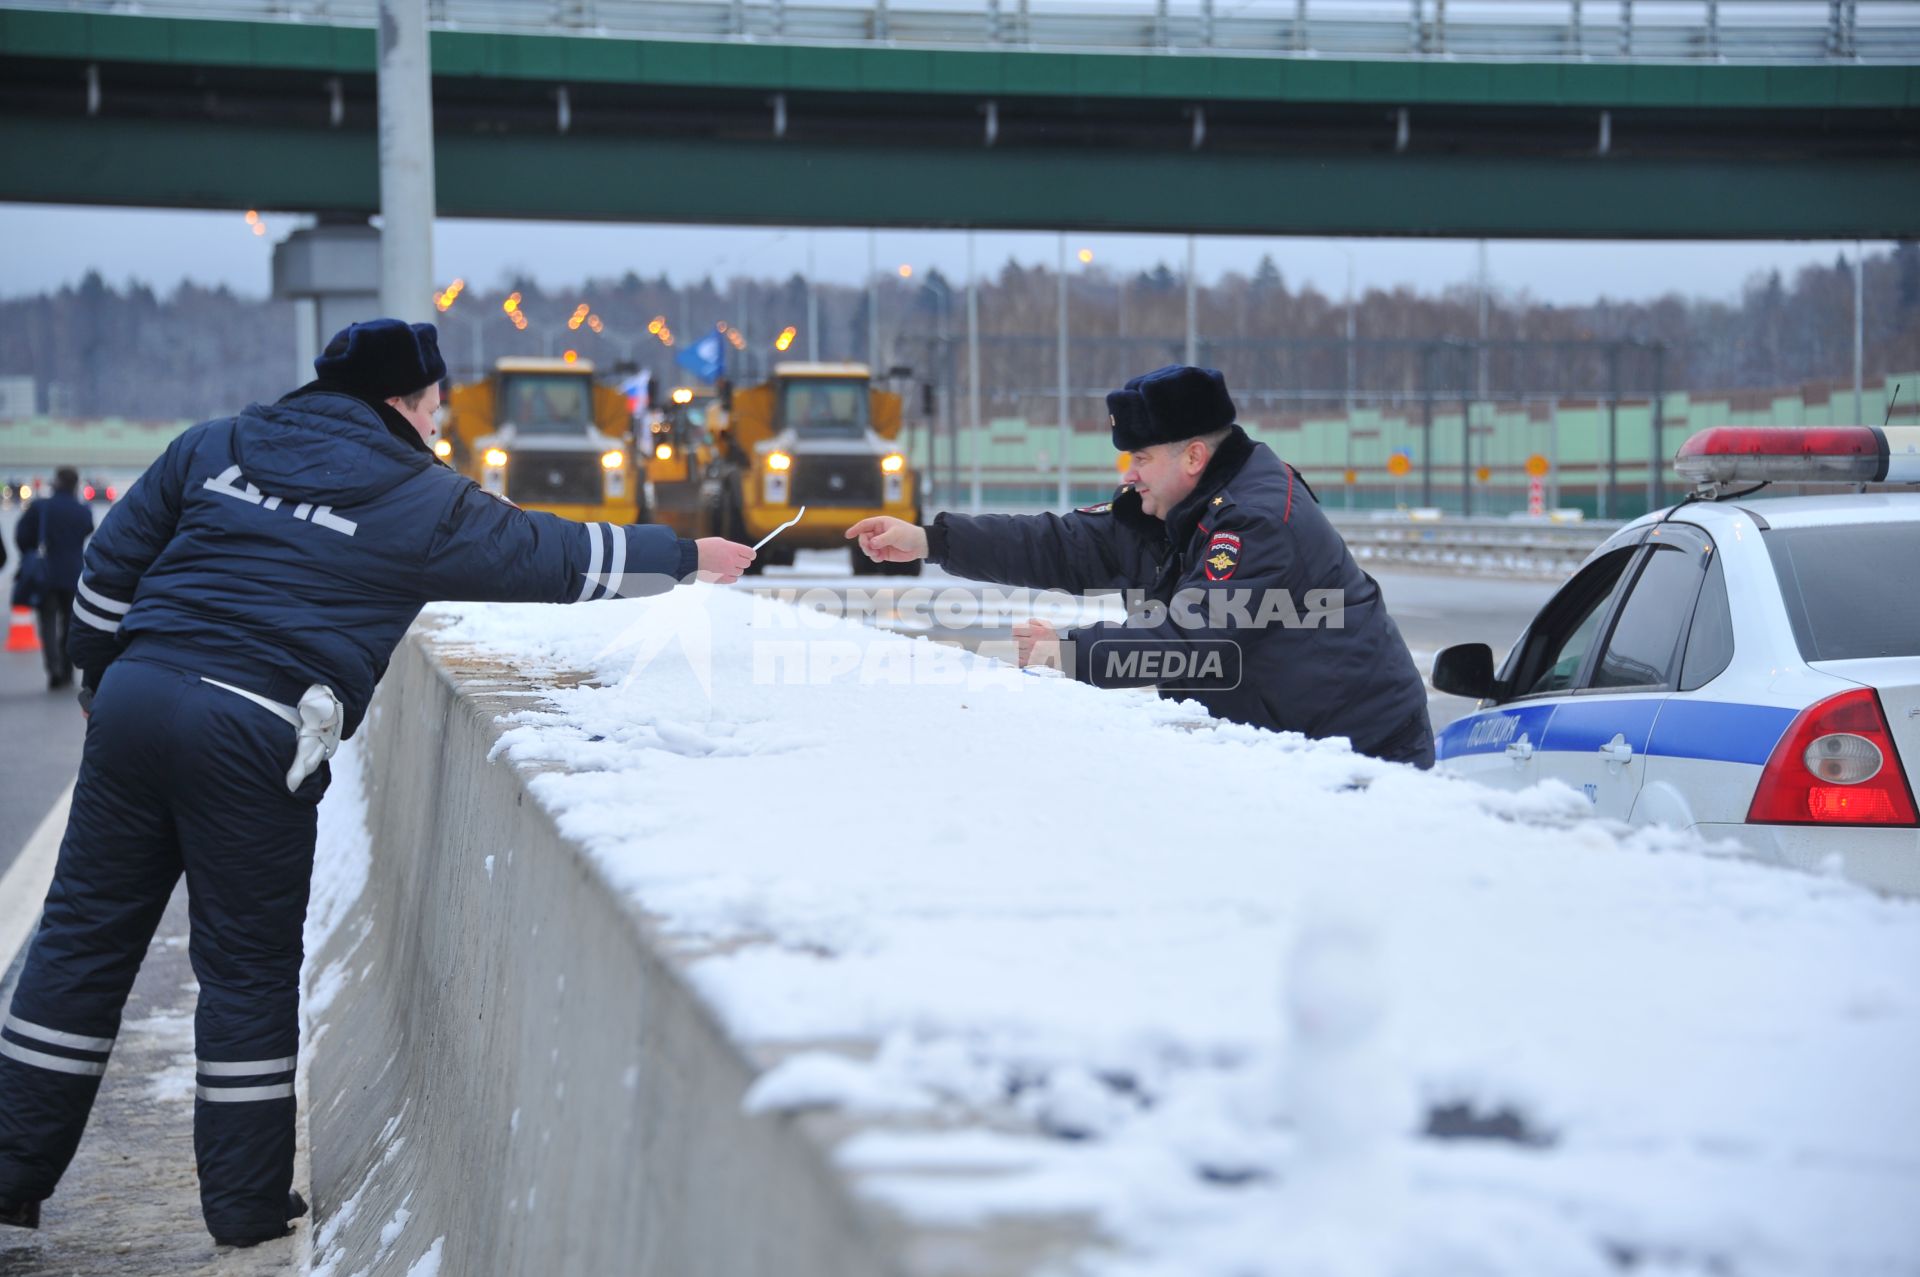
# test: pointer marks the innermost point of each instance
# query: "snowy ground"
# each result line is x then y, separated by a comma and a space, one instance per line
1225, 991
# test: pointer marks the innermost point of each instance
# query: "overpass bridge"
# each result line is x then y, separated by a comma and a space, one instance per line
1665, 118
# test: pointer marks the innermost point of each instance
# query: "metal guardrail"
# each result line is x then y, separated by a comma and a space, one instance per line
1747, 31
1522, 547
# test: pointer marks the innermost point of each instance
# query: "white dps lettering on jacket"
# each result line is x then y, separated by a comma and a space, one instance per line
322, 515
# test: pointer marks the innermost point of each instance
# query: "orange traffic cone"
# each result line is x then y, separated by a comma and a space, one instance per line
21, 634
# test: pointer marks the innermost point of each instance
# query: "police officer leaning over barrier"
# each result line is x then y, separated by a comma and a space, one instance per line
1231, 551
236, 609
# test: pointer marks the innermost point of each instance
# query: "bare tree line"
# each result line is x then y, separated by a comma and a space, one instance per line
99, 350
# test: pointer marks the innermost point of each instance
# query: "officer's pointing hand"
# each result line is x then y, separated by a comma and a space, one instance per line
1038, 643
886, 540
722, 561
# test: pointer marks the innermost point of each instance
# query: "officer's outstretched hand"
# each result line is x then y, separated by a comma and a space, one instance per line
886, 540
722, 561
1037, 643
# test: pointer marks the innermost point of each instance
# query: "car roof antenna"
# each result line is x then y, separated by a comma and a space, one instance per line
1890, 403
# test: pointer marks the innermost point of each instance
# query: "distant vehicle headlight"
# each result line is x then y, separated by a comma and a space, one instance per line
613, 459
892, 463
443, 448
495, 456
779, 461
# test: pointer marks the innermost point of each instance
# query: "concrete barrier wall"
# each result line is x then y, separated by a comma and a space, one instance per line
514, 1064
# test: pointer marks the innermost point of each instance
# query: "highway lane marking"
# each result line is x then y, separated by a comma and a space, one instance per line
24, 886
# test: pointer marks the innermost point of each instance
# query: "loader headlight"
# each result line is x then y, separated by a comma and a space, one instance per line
613, 459
663, 452
443, 448
892, 463
495, 457
779, 461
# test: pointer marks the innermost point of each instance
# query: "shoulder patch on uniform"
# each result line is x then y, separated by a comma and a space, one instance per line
1222, 556
1104, 507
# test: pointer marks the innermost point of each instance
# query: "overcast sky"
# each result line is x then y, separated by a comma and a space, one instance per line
43, 247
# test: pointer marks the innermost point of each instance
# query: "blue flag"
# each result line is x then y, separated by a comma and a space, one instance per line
706, 358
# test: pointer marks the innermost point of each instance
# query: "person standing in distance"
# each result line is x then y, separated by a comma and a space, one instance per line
236, 610
1226, 545
56, 526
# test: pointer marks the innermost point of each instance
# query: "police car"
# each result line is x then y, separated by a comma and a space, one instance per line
1749, 669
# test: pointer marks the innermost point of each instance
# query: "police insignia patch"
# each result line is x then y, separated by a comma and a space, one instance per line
1102, 508
1223, 556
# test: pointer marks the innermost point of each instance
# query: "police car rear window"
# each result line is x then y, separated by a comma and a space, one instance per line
1842, 590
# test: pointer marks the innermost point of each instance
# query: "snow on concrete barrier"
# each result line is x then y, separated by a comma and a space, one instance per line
724, 938
507, 1061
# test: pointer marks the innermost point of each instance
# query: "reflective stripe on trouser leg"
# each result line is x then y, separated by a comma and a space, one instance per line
249, 857
245, 1081
117, 866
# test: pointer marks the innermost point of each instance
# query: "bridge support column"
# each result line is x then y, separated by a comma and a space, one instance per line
331, 272
406, 160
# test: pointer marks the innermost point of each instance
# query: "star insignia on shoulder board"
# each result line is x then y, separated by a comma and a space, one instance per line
1219, 500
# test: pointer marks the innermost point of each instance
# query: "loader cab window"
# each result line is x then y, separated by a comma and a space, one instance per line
824, 409
547, 403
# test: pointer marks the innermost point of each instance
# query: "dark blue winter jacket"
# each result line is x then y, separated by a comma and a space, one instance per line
57, 525
295, 543
1247, 571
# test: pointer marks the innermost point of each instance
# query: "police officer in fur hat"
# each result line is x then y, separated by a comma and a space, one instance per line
234, 613
1244, 597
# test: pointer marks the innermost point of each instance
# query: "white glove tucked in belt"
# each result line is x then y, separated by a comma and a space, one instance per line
317, 720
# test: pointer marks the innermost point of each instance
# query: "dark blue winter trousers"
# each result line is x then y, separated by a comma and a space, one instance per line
177, 776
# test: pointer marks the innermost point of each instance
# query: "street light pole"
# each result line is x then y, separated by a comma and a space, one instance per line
813, 307
1193, 310
1859, 336
1348, 476
873, 306
1065, 435
978, 442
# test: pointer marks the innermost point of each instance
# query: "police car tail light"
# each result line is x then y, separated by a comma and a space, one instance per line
1843, 758
1801, 454
1836, 765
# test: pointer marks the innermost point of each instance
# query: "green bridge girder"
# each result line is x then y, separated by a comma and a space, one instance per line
208, 114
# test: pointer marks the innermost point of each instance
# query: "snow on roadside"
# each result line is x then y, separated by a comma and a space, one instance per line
342, 860
1225, 979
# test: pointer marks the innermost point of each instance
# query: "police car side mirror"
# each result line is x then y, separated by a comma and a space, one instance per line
1465, 669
